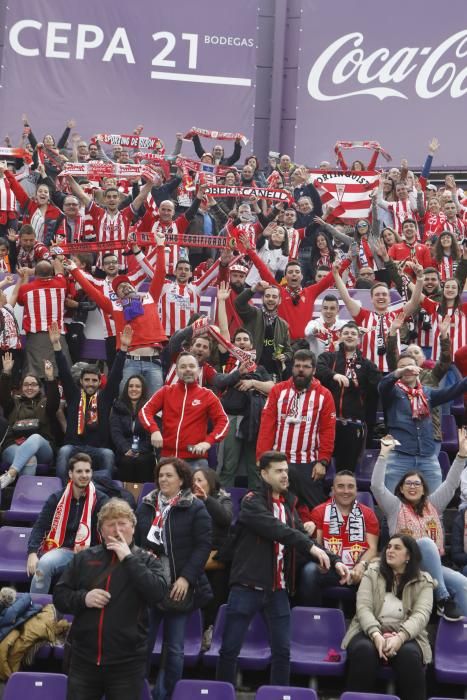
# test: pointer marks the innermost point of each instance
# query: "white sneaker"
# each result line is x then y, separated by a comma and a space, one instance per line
207, 639
6, 479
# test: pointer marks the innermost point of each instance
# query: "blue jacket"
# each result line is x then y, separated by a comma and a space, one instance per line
415, 436
14, 615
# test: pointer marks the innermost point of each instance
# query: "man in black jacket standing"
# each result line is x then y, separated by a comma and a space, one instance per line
109, 589
263, 568
353, 382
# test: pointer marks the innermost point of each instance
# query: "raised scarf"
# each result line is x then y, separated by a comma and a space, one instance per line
246, 357
56, 534
372, 145
417, 399
86, 416
162, 507
217, 135
131, 141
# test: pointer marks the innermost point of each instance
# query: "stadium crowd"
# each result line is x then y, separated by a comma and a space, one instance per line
326, 335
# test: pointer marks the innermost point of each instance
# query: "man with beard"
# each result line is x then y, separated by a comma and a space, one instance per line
270, 333
187, 408
299, 419
233, 272
352, 381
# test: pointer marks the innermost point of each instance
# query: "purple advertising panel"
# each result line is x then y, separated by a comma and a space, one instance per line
114, 65
395, 73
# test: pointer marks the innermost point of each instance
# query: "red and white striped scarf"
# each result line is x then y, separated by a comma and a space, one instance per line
56, 534
162, 507
217, 135
244, 356
372, 145
132, 141
417, 399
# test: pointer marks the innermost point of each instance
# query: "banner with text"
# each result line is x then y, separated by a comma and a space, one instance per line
393, 73
114, 65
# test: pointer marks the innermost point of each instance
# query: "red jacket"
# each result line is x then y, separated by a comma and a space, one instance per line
186, 409
296, 315
402, 251
309, 436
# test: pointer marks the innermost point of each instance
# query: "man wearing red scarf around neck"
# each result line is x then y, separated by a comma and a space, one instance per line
407, 406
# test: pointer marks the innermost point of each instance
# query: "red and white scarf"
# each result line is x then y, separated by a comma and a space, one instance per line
217, 135
87, 415
372, 145
97, 169
365, 256
258, 192
417, 399
417, 526
244, 356
131, 141
345, 539
162, 506
9, 153
56, 534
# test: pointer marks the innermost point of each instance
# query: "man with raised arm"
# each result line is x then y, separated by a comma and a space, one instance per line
141, 313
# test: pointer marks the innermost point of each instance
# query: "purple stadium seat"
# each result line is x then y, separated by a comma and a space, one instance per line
236, 494
147, 488
255, 653
364, 469
41, 469
444, 463
367, 696
451, 652
457, 406
313, 632
450, 443
145, 693
366, 498
283, 692
29, 496
207, 690
13, 553
36, 686
193, 640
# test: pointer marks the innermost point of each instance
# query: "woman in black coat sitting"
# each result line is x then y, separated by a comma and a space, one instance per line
176, 526
133, 449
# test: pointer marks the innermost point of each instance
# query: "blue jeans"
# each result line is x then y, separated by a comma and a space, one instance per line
399, 464
50, 564
18, 456
311, 583
103, 460
242, 605
173, 647
150, 371
450, 583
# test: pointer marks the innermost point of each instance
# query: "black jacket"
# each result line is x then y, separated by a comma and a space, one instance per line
121, 430
234, 401
43, 521
99, 435
219, 507
230, 160
258, 529
188, 537
350, 401
118, 632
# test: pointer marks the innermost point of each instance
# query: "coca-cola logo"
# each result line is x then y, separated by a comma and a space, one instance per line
432, 71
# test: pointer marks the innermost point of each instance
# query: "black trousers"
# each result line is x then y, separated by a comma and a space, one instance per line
110, 350
116, 681
364, 662
349, 444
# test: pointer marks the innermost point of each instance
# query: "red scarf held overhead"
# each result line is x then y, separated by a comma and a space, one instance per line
417, 399
131, 141
217, 135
